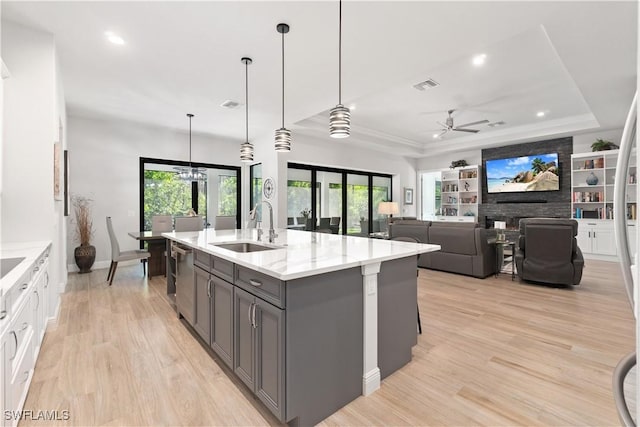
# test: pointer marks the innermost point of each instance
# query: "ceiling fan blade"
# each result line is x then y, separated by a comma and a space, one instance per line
466, 130
443, 125
474, 123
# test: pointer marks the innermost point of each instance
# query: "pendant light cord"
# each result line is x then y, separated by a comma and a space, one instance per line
340, 54
283, 80
246, 98
190, 165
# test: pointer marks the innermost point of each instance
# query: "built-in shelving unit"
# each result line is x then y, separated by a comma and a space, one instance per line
460, 192
592, 200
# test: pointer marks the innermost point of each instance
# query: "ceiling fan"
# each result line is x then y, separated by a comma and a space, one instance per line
448, 125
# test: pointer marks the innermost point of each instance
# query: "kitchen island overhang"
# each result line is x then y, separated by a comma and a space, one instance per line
348, 312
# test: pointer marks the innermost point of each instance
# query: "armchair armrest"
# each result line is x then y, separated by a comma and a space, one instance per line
578, 265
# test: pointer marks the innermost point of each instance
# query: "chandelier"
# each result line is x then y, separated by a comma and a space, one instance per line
191, 173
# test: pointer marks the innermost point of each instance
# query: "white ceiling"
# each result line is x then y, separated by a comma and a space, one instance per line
574, 60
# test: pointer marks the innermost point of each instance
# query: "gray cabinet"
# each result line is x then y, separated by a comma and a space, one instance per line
222, 319
269, 326
202, 318
259, 349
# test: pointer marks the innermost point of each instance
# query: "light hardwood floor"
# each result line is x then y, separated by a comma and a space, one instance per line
492, 352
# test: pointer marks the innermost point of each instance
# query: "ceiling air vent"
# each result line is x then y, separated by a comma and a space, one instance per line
427, 84
496, 124
229, 104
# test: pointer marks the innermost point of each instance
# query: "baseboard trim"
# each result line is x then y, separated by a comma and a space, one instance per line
100, 265
371, 382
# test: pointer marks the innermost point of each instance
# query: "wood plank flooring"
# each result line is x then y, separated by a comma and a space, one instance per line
492, 352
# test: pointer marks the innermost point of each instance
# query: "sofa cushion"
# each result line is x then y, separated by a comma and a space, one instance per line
458, 240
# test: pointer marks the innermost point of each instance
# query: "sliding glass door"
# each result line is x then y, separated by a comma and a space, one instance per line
163, 192
343, 202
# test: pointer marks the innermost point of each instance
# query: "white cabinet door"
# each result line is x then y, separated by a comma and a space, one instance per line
604, 241
584, 240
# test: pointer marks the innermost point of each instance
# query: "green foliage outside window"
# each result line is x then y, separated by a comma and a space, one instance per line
165, 194
227, 196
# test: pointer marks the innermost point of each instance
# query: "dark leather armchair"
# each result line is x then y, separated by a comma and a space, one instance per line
548, 251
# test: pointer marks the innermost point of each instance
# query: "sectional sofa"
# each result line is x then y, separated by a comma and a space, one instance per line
466, 248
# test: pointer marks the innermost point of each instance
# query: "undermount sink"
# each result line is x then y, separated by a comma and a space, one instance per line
244, 247
8, 264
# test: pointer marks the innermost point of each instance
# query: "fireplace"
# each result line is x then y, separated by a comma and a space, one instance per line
511, 221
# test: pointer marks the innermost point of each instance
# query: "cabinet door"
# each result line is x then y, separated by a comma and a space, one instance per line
269, 322
222, 319
5, 375
584, 239
603, 241
244, 337
202, 319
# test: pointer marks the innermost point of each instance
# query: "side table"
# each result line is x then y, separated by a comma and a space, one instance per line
505, 251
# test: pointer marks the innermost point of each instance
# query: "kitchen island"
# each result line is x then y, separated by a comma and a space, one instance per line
308, 322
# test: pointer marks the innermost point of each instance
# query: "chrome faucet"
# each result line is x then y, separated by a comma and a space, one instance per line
272, 232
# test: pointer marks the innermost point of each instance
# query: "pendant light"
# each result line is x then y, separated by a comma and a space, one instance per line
246, 148
189, 173
340, 116
283, 135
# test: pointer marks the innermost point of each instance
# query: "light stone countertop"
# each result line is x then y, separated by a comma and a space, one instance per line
300, 253
29, 250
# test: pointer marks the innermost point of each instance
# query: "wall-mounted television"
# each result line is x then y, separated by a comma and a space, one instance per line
538, 172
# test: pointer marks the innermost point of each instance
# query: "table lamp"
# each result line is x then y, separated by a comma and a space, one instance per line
388, 208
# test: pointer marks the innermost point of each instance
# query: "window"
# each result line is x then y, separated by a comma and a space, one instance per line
162, 192
255, 195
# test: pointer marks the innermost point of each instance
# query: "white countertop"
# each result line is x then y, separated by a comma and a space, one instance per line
300, 253
29, 250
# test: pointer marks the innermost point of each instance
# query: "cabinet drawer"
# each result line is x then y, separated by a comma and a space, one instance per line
19, 291
20, 380
21, 325
266, 287
202, 260
222, 268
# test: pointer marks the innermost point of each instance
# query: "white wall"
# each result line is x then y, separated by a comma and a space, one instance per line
104, 165
34, 107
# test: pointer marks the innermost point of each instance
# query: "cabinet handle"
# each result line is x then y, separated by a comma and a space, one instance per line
15, 338
41, 261
38, 295
25, 325
589, 234
3, 314
26, 376
36, 268
46, 282
209, 288
255, 325
24, 286
255, 283
249, 314
594, 234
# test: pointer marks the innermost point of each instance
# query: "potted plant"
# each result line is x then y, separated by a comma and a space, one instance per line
85, 254
602, 145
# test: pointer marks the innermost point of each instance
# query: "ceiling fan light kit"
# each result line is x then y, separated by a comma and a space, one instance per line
246, 148
340, 116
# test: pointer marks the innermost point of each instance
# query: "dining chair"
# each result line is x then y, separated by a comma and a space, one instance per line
189, 223
225, 223
117, 255
161, 223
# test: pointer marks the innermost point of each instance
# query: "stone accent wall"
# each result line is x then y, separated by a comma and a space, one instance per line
549, 204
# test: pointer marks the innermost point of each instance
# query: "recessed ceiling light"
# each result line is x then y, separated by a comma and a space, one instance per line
352, 107
114, 38
229, 104
436, 135
540, 114
478, 60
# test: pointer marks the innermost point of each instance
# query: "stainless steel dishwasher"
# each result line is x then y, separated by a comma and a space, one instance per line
185, 283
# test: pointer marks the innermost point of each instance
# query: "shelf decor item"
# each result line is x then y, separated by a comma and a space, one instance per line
592, 179
85, 254
602, 145
458, 164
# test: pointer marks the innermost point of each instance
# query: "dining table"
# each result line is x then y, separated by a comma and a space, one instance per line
156, 245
